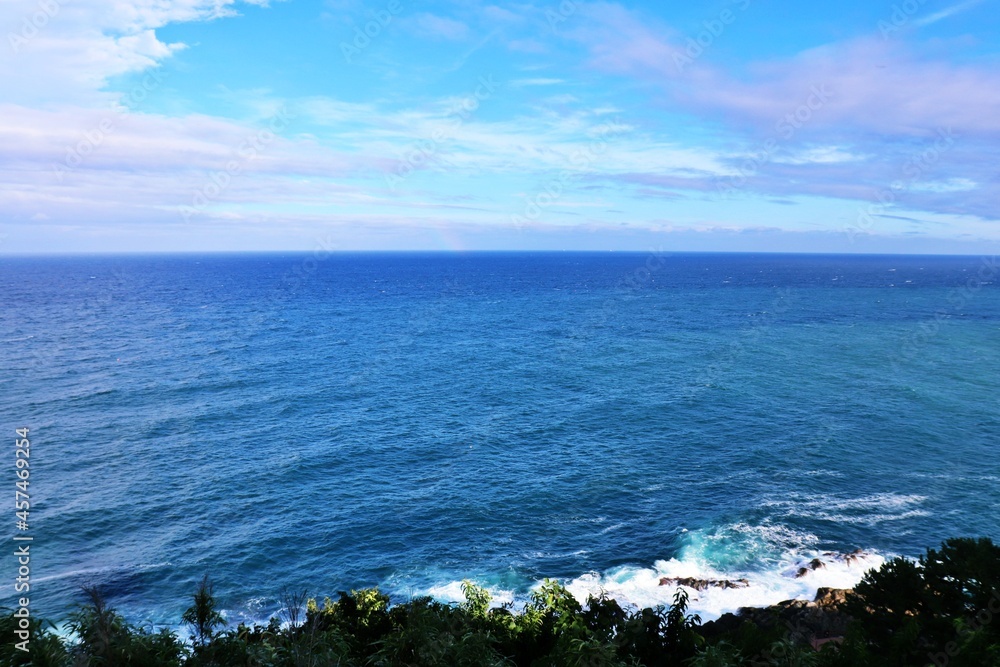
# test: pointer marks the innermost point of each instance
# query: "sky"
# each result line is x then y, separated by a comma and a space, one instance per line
741, 125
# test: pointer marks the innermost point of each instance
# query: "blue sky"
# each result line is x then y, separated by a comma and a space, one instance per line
340, 124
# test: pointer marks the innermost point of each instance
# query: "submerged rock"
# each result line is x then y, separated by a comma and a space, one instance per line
811, 566
703, 584
855, 555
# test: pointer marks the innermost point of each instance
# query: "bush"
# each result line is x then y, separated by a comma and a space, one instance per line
104, 638
943, 609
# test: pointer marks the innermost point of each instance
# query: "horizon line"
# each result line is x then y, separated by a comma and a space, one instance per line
192, 253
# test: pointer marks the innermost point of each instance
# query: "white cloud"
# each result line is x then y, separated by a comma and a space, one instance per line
58, 52
820, 155
521, 83
949, 185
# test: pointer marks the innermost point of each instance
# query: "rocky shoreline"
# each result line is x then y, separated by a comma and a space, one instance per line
814, 622
940, 608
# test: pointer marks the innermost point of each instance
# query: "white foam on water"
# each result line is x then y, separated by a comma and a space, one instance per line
640, 587
868, 510
764, 564
613, 527
452, 592
97, 572
761, 561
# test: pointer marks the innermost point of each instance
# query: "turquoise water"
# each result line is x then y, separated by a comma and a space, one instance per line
411, 420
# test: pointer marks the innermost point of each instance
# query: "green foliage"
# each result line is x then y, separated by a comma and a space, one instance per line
202, 616
100, 631
680, 634
722, 654
889, 599
590, 652
477, 599
942, 610
784, 653
660, 636
45, 648
104, 638
964, 576
426, 632
363, 617
604, 617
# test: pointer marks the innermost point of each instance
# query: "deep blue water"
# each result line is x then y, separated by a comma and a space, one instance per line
410, 420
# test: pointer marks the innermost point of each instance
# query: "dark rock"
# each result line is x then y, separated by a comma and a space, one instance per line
803, 622
811, 566
725, 625
808, 623
855, 555
832, 598
703, 584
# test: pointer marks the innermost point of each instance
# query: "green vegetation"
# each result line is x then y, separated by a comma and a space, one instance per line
943, 610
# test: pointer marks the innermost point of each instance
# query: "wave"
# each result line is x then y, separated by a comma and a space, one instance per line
721, 569
100, 574
868, 510
452, 592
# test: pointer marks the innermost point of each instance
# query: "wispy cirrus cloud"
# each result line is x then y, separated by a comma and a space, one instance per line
438, 27
521, 83
945, 13
875, 85
869, 106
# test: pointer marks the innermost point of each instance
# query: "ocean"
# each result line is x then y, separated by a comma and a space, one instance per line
326, 422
